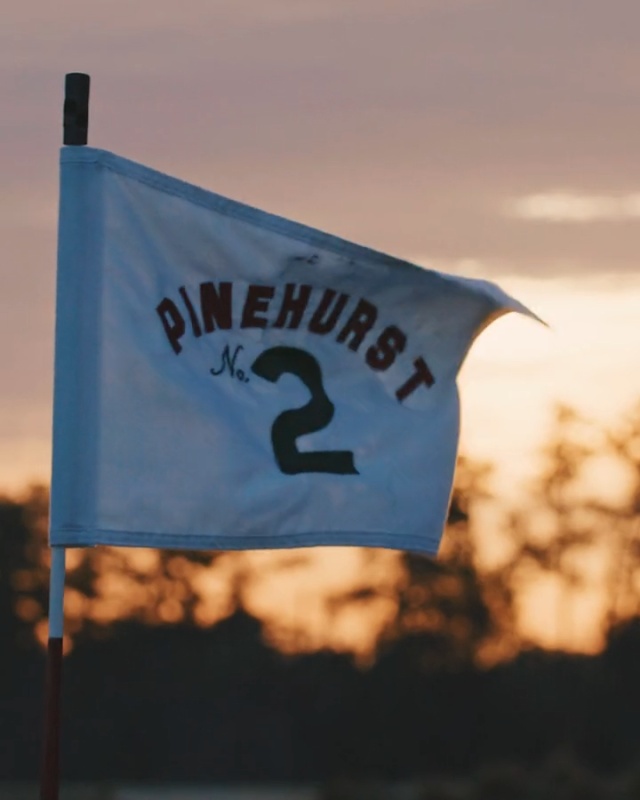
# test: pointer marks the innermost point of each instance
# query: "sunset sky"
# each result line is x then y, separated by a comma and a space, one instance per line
491, 138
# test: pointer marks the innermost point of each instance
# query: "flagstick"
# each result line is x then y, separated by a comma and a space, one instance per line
50, 779
76, 108
76, 124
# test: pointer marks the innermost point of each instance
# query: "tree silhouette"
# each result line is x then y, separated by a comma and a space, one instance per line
23, 568
623, 522
580, 522
103, 584
449, 610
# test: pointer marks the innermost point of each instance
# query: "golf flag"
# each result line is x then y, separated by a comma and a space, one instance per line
228, 379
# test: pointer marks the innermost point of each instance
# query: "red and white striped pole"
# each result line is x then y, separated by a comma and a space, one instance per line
50, 778
76, 125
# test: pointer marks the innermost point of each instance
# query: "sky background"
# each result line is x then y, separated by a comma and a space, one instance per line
492, 138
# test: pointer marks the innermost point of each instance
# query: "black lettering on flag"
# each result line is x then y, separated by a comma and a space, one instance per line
359, 324
382, 354
421, 377
215, 305
293, 306
172, 322
312, 417
256, 302
319, 323
195, 324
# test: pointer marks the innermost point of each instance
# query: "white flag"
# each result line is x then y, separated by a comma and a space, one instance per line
228, 379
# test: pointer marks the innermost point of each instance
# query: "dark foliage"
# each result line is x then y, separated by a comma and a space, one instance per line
179, 702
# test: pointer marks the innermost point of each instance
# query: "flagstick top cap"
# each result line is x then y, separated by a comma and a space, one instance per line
76, 108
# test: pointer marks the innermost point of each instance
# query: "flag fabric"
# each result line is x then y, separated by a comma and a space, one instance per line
228, 379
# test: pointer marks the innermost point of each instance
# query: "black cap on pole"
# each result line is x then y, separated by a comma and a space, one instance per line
76, 108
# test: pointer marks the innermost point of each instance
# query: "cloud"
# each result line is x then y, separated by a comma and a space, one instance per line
575, 207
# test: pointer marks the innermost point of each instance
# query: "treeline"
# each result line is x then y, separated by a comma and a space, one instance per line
452, 684
187, 704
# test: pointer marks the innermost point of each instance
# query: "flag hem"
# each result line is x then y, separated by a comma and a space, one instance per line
73, 537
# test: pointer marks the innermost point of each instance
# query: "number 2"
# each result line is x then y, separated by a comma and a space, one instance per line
312, 417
